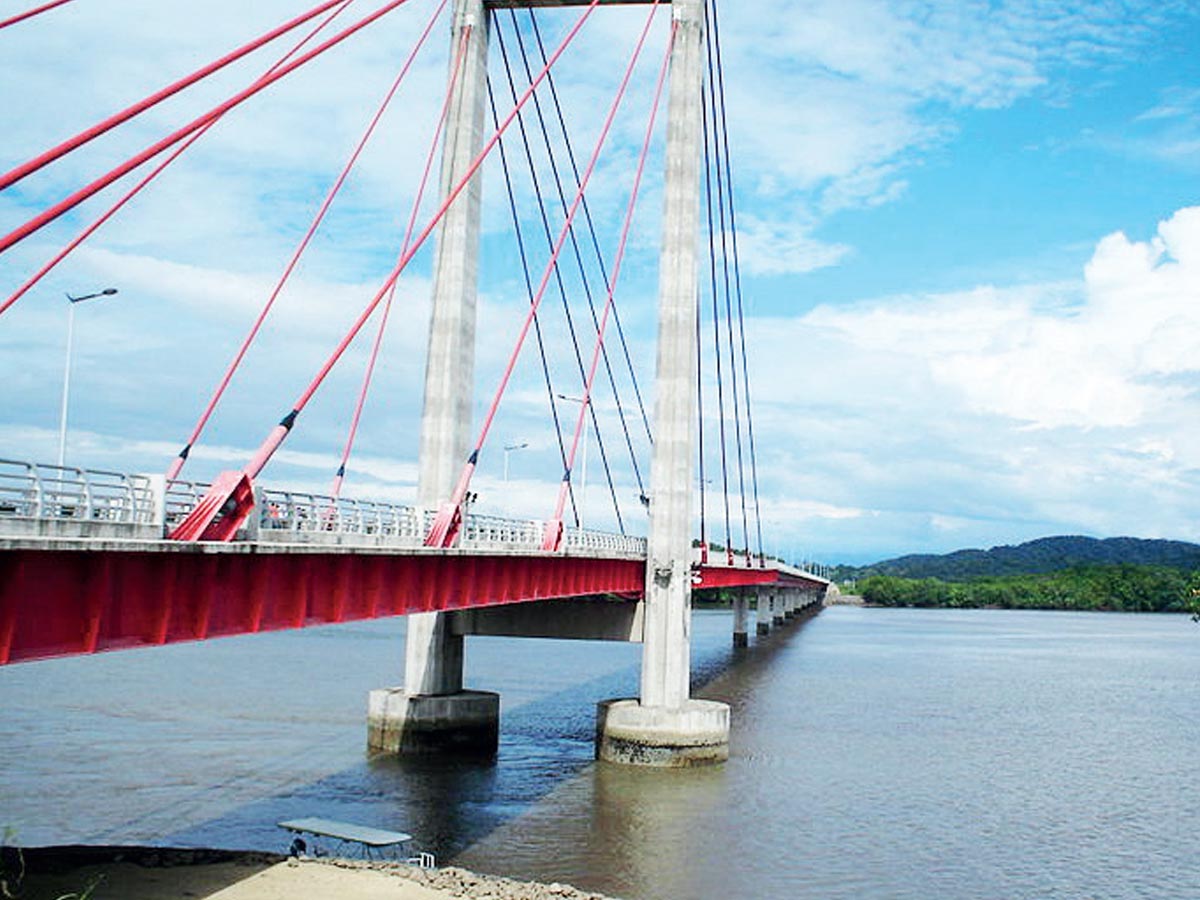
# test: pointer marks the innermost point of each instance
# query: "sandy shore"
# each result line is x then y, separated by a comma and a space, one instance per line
155, 874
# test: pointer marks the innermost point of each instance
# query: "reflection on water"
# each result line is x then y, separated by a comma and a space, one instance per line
875, 754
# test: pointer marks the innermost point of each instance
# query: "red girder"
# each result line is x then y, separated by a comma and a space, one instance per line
731, 576
66, 602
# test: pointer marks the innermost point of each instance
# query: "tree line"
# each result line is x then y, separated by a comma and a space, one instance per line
1116, 588
1043, 556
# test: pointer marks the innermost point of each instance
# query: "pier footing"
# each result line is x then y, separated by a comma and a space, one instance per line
629, 733
462, 724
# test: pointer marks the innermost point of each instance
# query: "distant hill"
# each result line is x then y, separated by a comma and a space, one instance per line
1034, 557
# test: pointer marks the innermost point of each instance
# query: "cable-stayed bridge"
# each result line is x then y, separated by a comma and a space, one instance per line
95, 560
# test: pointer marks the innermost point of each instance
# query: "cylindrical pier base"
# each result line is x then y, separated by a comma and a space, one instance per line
741, 639
629, 733
462, 724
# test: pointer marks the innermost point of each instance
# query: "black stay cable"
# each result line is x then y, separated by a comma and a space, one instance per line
557, 273
716, 311
583, 277
700, 429
562, 124
537, 326
728, 294
737, 273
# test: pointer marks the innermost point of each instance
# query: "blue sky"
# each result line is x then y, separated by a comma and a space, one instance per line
971, 242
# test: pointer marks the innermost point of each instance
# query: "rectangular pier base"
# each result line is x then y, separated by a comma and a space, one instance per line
462, 724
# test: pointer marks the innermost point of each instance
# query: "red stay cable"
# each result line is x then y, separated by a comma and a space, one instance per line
554, 526
275, 438
448, 521
369, 373
229, 501
154, 149
30, 13
153, 174
177, 463
13, 176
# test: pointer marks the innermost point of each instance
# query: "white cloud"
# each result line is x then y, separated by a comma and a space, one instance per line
834, 102
1026, 355
1024, 410
780, 248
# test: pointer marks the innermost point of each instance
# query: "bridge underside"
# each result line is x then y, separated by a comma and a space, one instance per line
61, 602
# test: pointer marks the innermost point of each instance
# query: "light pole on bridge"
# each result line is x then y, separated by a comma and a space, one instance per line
509, 448
583, 466
66, 391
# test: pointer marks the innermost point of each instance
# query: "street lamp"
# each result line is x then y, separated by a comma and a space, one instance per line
66, 391
583, 467
509, 448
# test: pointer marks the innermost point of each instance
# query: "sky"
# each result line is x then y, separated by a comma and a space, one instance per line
969, 236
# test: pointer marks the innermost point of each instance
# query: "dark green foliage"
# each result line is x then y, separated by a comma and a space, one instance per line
1041, 556
1120, 588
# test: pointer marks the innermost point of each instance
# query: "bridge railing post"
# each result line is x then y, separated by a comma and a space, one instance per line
156, 488
253, 525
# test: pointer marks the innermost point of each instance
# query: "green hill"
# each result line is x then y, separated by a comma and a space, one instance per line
1044, 555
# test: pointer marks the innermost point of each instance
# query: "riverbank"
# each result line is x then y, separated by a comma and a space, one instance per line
140, 873
1101, 588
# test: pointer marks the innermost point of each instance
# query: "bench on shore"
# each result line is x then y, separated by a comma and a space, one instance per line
370, 840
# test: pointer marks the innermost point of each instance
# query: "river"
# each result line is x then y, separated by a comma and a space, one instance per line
875, 753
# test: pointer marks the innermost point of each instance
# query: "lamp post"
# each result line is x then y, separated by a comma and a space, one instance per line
509, 448
583, 466
66, 391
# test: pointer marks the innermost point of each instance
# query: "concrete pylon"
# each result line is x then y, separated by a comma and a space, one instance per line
665, 727
432, 713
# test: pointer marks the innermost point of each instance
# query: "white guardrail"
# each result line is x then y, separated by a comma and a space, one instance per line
37, 492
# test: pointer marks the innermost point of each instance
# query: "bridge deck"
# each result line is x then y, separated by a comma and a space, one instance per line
72, 596
84, 568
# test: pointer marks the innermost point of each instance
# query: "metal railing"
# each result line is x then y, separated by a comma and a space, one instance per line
484, 531
604, 542
303, 513
181, 498
33, 491
315, 513
38, 491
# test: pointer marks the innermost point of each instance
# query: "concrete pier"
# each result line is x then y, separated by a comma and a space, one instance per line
697, 733
432, 712
764, 617
741, 619
665, 727
466, 723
